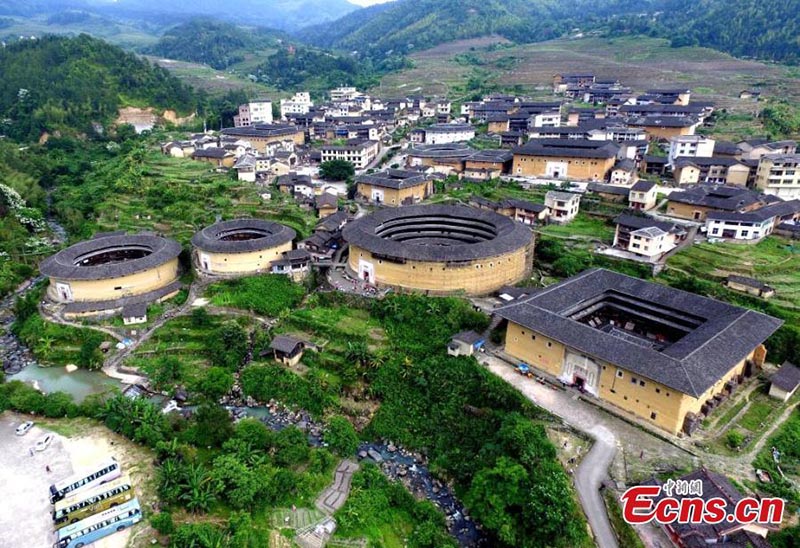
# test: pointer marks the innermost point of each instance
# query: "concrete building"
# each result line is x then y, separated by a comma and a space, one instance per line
750, 226
720, 170
581, 159
112, 270
779, 175
253, 113
241, 246
665, 356
439, 249
394, 187
785, 382
563, 206
643, 196
357, 152
645, 237
300, 103
465, 343
345, 93
690, 146
441, 134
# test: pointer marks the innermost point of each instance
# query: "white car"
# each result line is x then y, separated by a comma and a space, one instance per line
44, 442
23, 428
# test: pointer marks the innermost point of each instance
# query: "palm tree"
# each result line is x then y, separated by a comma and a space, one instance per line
197, 493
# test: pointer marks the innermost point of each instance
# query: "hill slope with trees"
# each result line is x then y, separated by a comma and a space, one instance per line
213, 43
763, 29
58, 83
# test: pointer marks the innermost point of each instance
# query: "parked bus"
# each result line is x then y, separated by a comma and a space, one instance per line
102, 473
92, 501
99, 526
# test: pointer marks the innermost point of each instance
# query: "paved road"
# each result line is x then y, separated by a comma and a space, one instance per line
594, 467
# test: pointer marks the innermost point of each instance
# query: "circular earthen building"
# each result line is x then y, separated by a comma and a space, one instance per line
440, 249
241, 246
112, 267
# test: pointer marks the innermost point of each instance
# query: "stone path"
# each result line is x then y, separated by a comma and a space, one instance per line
336, 494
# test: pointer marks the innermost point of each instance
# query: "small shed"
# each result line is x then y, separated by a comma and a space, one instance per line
785, 381
286, 349
134, 313
465, 343
749, 285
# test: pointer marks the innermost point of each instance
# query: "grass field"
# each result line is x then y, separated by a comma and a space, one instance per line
771, 261
582, 226
215, 82
179, 196
639, 62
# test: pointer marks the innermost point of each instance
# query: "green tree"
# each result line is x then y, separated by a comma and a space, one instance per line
341, 437
167, 371
215, 383
254, 433
497, 496
212, 425
336, 170
291, 447
227, 346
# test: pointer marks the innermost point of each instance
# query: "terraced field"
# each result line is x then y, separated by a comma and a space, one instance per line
639, 62
773, 261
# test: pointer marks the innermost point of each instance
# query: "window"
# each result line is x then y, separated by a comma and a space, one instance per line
633, 380
533, 337
619, 373
549, 344
641, 382
653, 415
658, 391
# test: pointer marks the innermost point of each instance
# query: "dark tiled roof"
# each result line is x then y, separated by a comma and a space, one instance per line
115, 304
650, 159
394, 178
661, 121
134, 310
575, 148
643, 186
468, 337
211, 152
65, 264
285, 344
757, 216
262, 130
491, 155
269, 235
293, 179
450, 150
750, 282
508, 235
600, 188
725, 198
636, 222
326, 199
788, 377
726, 533
724, 336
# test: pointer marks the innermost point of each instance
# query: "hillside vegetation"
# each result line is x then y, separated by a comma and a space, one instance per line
749, 28
214, 43
58, 83
413, 25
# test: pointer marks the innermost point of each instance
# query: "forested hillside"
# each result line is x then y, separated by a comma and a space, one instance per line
764, 29
767, 29
410, 25
213, 43
59, 83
